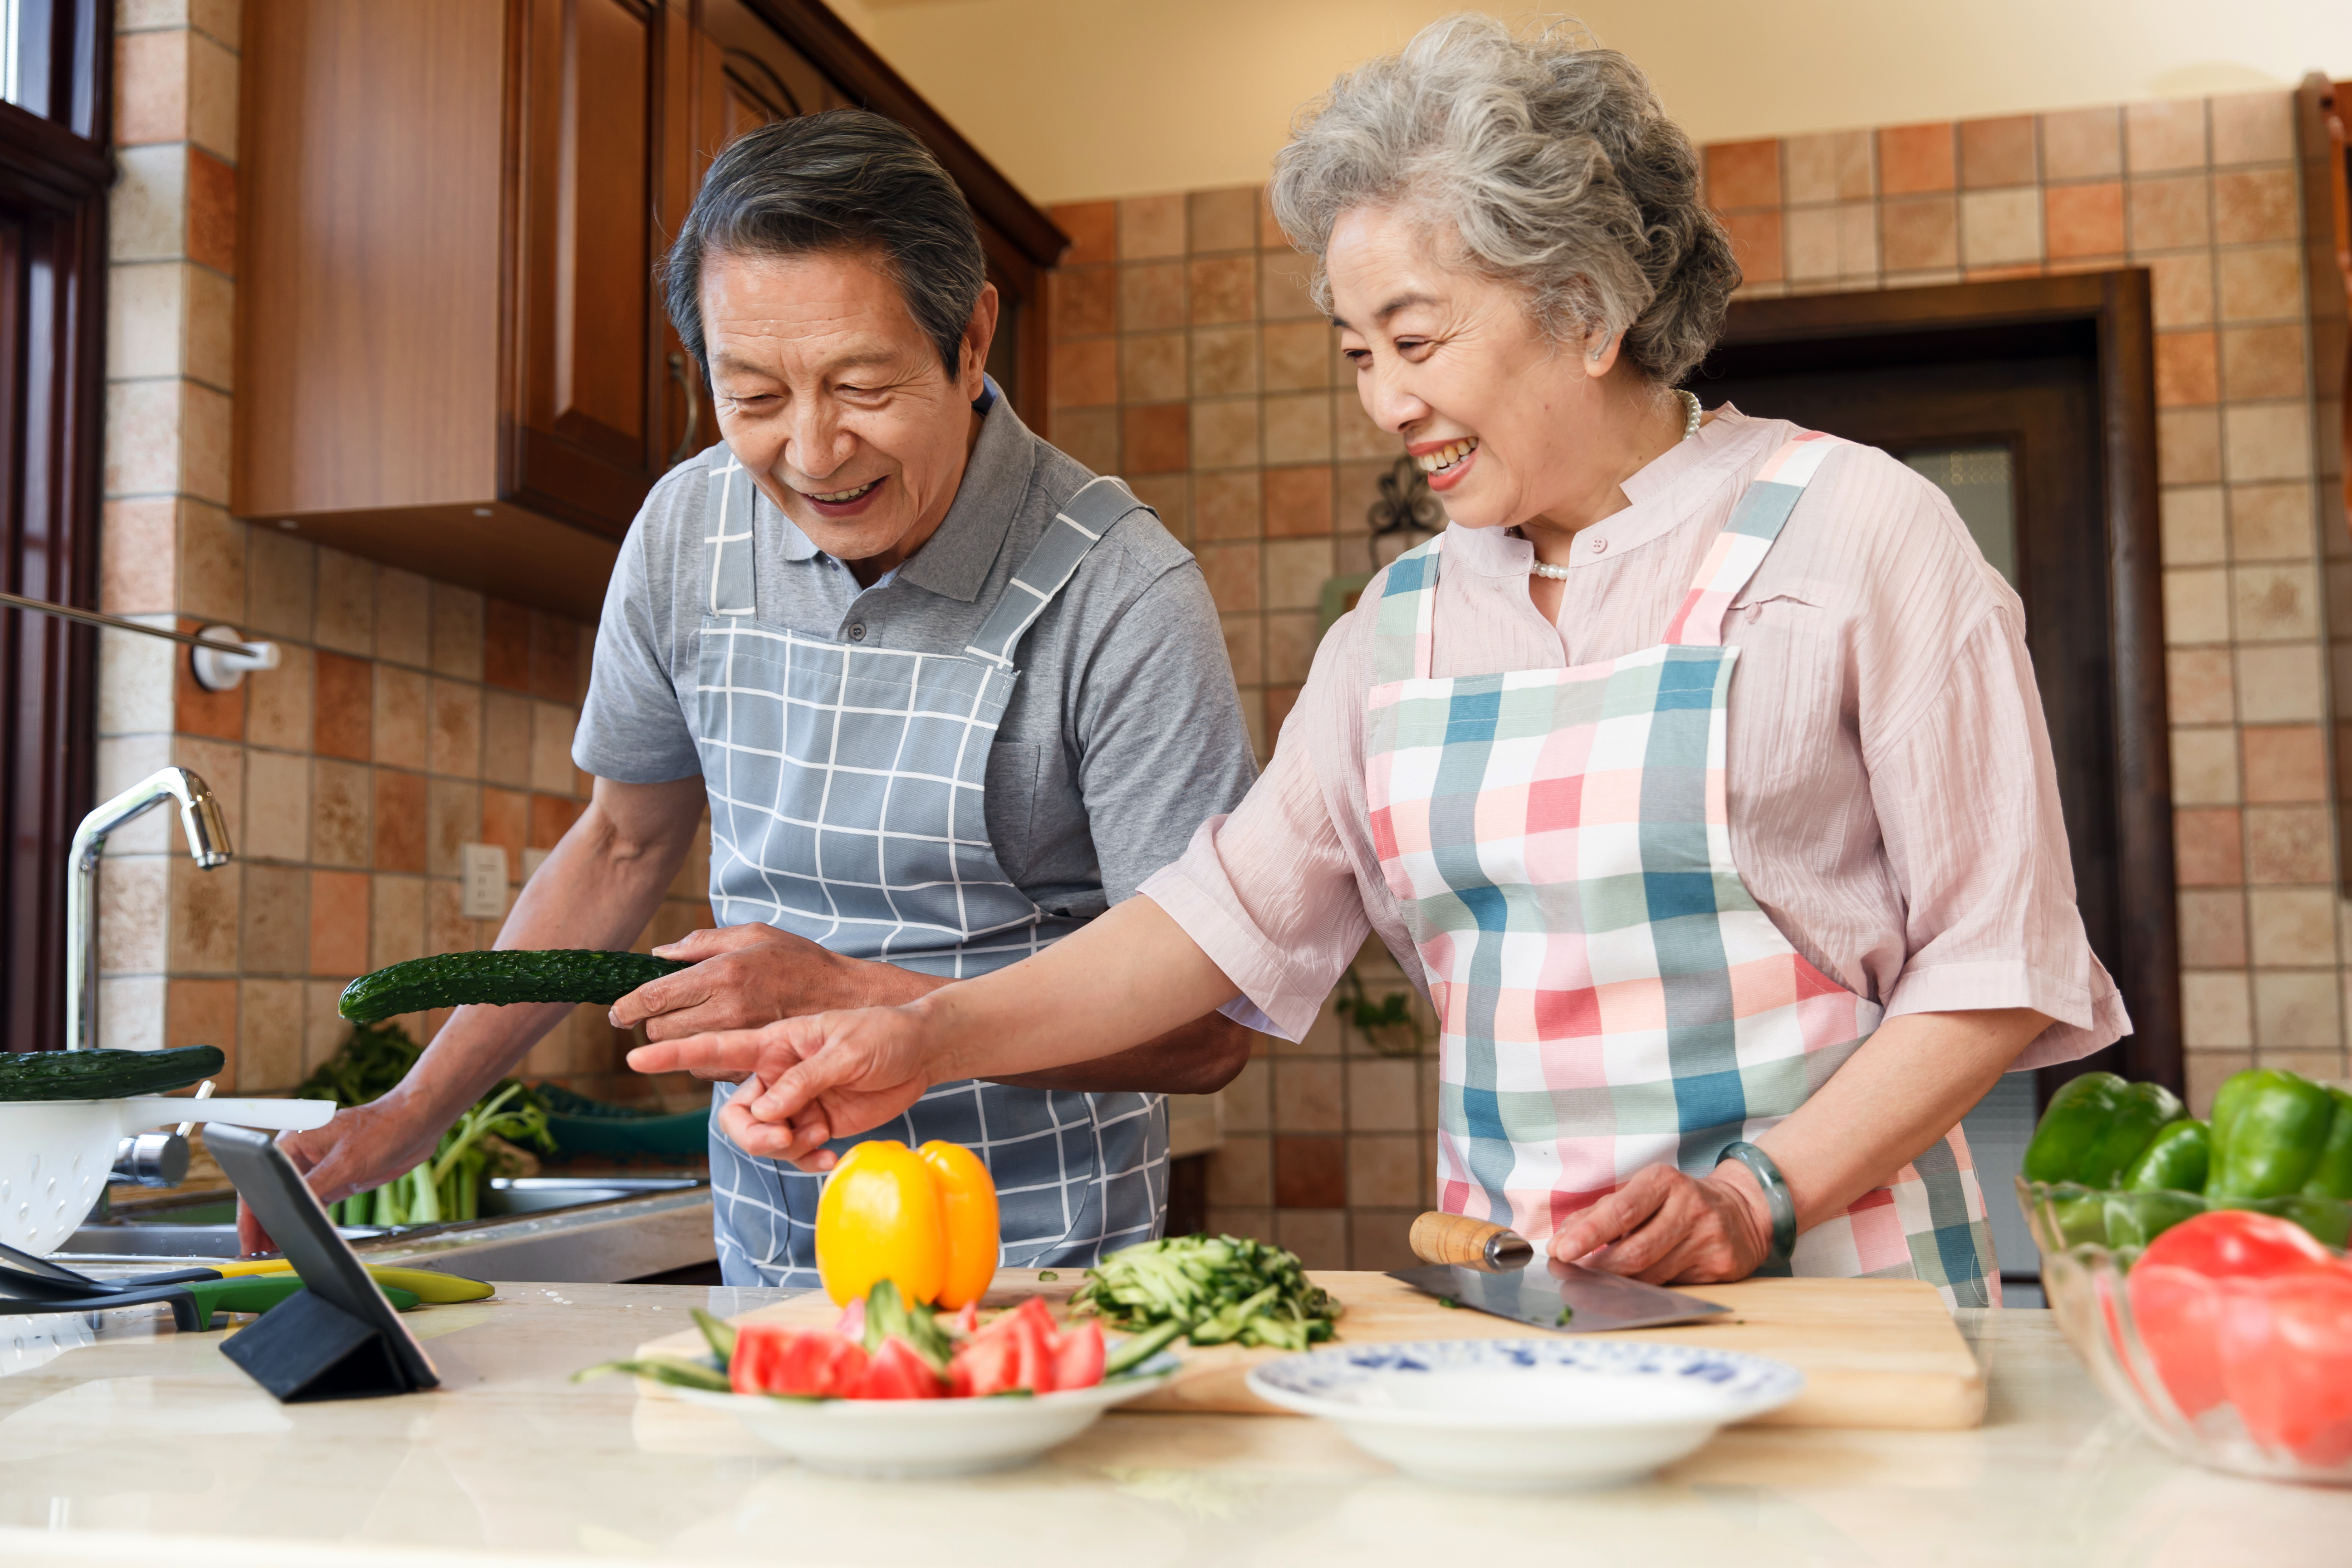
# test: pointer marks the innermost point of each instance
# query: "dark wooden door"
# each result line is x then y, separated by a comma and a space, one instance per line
1927, 375
589, 442
54, 175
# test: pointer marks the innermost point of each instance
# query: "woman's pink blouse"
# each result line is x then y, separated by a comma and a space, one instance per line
1893, 804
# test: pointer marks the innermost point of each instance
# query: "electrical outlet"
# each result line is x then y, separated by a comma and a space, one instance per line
485, 898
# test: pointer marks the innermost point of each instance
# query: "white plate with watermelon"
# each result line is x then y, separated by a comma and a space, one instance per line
1011, 1390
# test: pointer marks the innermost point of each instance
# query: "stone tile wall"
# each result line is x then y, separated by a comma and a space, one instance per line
2205, 193
409, 717
1187, 358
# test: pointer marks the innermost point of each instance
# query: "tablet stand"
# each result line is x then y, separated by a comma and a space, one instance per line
306, 1348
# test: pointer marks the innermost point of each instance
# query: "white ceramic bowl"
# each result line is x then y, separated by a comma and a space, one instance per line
55, 1153
1525, 1414
903, 1439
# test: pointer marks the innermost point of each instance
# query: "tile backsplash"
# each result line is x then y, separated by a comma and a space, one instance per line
407, 718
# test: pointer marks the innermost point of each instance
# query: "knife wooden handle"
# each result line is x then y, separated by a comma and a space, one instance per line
1471, 1243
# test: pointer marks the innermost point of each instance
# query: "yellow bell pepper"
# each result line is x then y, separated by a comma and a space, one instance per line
926, 1221
968, 1196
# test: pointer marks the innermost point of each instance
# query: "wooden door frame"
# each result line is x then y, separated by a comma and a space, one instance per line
54, 171
2116, 305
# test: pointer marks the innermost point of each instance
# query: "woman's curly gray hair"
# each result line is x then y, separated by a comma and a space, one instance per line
1555, 163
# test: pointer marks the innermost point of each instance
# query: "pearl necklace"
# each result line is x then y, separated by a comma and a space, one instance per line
1690, 429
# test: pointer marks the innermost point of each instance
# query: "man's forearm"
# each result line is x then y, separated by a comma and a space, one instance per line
597, 888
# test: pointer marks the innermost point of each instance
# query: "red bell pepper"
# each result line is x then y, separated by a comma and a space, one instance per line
2286, 1360
2218, 1301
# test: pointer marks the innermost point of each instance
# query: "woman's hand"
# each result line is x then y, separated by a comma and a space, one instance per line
747, 977
810, 1081
1666, 1228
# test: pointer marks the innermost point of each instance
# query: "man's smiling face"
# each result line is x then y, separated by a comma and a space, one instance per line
834, 399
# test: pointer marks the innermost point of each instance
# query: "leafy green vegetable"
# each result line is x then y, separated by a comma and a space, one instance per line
886, 1315
1220, 1289
719, 1333
661, 1369
448, 1186
1389, 1026
371, 1062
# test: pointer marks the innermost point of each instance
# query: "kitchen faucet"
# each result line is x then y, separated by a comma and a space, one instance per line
207, 834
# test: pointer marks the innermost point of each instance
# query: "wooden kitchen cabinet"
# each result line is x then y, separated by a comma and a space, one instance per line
452, 356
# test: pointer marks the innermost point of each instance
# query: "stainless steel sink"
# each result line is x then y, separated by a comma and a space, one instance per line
579, 1229
540, 1194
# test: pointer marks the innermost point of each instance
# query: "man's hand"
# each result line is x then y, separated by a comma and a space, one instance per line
750, 975
807, 1080
361, 1148
746, 977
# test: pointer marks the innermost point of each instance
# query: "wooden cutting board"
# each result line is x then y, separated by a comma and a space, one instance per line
1874, 1353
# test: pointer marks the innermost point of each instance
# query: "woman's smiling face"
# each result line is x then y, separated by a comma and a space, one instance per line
1493, 408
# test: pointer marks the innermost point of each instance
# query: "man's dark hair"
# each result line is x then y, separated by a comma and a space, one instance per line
845, 179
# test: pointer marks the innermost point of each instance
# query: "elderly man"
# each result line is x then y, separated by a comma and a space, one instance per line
947, 696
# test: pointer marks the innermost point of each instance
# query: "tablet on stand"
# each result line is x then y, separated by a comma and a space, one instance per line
339, 1337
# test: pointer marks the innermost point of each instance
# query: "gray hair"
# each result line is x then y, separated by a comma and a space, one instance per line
845, 179
1554, 162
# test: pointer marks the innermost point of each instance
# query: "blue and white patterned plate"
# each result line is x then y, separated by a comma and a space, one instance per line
1527, 1413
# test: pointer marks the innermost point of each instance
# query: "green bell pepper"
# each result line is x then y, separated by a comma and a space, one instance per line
2095, 1126
2270, 1129
2142, 1110
2332, 1177
2072, 1124
2080, 1217
2178, 1161
2134, 1219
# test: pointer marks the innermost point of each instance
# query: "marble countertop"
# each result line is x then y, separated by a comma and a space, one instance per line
131, 1444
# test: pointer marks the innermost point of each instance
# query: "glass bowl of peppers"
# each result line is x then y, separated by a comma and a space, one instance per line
2197, 1268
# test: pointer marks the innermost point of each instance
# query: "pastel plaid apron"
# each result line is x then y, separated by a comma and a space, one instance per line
1610, 995
847, 785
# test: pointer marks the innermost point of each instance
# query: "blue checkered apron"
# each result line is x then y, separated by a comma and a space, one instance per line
846, 785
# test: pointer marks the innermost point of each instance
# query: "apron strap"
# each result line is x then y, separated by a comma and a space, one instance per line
1400, 635
1082, 521
733, 500
1740, 548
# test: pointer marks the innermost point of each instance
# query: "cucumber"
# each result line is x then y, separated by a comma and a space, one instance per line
104, 1075
500, 978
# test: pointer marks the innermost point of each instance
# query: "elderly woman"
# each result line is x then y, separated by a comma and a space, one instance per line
1697, 767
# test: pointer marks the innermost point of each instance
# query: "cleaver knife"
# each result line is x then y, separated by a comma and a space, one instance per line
1489, 1268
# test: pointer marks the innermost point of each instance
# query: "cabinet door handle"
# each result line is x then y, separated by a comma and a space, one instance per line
685, 444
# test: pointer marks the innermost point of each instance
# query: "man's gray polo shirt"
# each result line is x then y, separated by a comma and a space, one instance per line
1124, 733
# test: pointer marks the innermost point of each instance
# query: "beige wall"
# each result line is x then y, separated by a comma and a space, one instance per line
1076, 98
